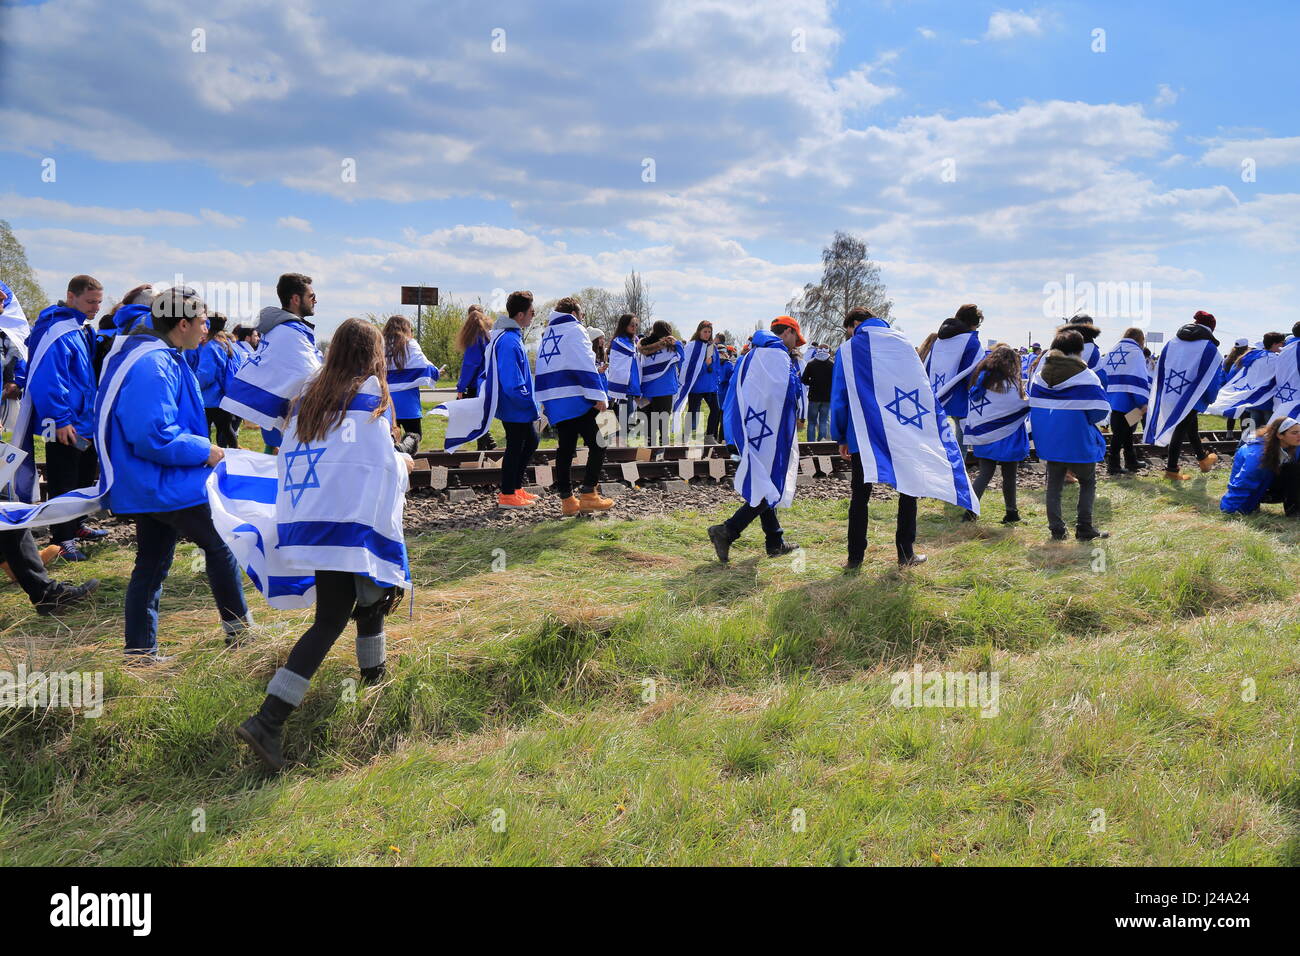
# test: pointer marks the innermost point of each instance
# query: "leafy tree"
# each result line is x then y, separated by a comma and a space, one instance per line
850, 280
18, 275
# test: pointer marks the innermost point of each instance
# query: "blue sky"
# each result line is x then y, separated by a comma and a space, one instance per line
984, 151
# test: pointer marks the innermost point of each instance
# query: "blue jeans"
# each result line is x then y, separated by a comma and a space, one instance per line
155, 542
819, 421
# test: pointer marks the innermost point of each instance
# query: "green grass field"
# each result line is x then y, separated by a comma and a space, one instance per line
614, 696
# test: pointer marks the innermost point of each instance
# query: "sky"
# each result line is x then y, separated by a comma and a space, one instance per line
1143, 158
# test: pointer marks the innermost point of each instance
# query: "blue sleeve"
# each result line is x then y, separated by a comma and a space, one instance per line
471, 367
20, 372
839, 404
1097, 415
210, 367
152, 427
49, 386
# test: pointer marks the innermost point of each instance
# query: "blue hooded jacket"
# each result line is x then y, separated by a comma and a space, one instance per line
63, 388
1066, 434
515, 402
471, 367
1249, 481
158, 440
130, 317
215, 366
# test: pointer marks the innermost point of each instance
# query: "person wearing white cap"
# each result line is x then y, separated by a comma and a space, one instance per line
1265, 470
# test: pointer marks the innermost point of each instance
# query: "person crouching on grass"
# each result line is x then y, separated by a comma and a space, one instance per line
338, 515
1265, 470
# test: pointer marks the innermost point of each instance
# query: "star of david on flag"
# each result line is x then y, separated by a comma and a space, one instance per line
983, 403
763, 430
1115, 360
896, 407
550, 347
1285, 393
1177, 381
310, 479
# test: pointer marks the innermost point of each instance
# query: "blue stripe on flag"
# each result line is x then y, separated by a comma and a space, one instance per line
341, 534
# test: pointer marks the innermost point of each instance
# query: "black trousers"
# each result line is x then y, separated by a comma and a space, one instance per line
411, 426
659, 412
568, 432
767, 518
1286, 489
987, 467
18, 550
693, 413
904, 536
521, 442
1188, 430
336, 597
1121, 442
67, 469
227, 426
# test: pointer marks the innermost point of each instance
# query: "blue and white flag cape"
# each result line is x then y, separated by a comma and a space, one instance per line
1251, 385
1183, 373
1080, 392
766, 402
270, 378
1127, 372
1286, 373
995, 415
416, 372
624, 372
566, 363
334, 504
1091, 354
697, 352
657, 365
904, 438
126, 351
469, 419
13, 321
951, 362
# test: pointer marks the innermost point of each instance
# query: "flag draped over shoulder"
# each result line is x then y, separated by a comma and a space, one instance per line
1081, 392
1286, 373
761, 422
1127, 372
951, 362
416, 371
25, 425
1250, 385
624, 372
13, 321
1183, 373
126, 351
904, 438
696, 353
566, 363
468, 419
270, 378
332, 504
657, 365
995, 415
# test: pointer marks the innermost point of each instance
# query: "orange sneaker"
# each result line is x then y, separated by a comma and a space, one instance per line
594, 501
1207, 463
528, 494
515, 500
569, 506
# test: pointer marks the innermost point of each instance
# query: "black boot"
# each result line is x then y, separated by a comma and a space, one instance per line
61, 596
721, 542
781, 547
263, 730
970, 516
1011, 517
1089, 533
373, 675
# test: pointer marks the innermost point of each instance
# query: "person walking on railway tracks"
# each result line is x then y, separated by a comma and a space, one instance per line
339, 489
699, 383
996, 427
472, 342
1250, 384
218, 362
1128, 389
817, 376
572, 394
762, 419
623, 377
890, 425
1067, 402
408, 371
1188, 377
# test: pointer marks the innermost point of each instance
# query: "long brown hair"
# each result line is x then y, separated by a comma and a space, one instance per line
926, 345
1270, 434
701, 326
355, 354
397, 332
473, 329
1003, 368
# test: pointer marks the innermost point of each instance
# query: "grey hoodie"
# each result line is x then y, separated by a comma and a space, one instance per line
273, 315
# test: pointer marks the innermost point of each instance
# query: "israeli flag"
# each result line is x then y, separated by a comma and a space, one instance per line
126, 351
624, 372
416, 372
1080, 392
657, 365
270, 378
951, 362
13, 321
1250, 385
333, 504
566, 364
762, 425
697, 353
1185, 370
995, 415
904, 438
24, 483
1286, 372
468, 419
1126, 371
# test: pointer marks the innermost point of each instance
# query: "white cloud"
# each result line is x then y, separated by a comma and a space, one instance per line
1165, 95
1005, 24
14, 205
926, 32
1283, 151
221, 219
293, 222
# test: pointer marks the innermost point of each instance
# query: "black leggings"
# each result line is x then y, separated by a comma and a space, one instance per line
336, 596
1121, 442
693, 413
521, 442
985, 474
659, 412
568, 432
227, 426
904, 536
411, 426
1188, 430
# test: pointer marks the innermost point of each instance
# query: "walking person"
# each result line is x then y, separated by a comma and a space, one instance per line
219, 360
1128, 389
342, 525
997, 426
406, 372
699, 382
1250, 384
950, 359
817, 375
1188, 377
472, 342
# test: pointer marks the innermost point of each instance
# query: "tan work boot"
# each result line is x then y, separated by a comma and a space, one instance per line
594, 501
1177, 476
569, 506
1207, 463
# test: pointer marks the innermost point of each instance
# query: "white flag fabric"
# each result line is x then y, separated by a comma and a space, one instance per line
1250, 385
25, 424
126, 351
13, 321
697, 352
624, 372
1127, 372
657, 365
270, 378
766, 399
951, 362
995, 415
468, 419
1080, 392
1183, 373
904, 438
333, 504
1286, 373
566, 363
416, 371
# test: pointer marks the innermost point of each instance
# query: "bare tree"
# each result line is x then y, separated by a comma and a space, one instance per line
850, 280
636, 300
599, 309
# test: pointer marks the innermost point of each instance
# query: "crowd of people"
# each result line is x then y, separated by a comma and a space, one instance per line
140, 414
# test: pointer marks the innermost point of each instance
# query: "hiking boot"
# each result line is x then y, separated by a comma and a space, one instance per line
594, 501
1060, 535
69, 551
1207, 463
569, 506
784, 547
1089, 533
970, 516
721, 542
60, 596
373, 675
1011, 517
515, 500
912, 560
264, 740
1177, 476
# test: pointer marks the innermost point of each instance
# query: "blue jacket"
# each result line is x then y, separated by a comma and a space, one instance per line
667, 383
707, 382
214, 367
842, 431
130, 317
63, 388
515, 402
158, 440
1249, 480
471, 367
1066, 434
1015, 447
